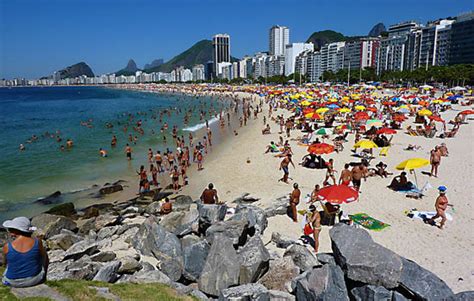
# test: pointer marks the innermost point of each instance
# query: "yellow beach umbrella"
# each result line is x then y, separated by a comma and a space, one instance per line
333, 100
322, 110
437, 101
413, 163
305, 103
360, 108
425, 112
365, 144
344, 110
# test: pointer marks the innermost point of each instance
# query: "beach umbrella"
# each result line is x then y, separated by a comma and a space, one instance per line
412, 164
425, 112
338, 194
386, 131
437, 101
344, 110
365, 144
322, 110
403, 110
320, 148
359, 108
372, 109
374, 122
398, 117
458, 88
305, 103
313, 116
467, 112
361, 116
436, 118
332, 106
322, 131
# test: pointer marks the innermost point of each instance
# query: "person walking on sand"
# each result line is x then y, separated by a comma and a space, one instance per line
128, 152
143, 179
330, 173
346, 176
175, 177
441, 205
199, 158
357, 175
435, 160
284, 166
294, 201
315, 223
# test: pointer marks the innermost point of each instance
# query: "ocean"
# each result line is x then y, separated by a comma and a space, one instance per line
84, 115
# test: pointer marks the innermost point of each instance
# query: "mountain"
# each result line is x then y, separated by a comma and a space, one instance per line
130, 69
199, 53
377, 30
155, 63
319, 38
76, 70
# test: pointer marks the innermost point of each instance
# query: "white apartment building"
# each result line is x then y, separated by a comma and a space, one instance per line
291, 52
198, 73
279, 37
332, 56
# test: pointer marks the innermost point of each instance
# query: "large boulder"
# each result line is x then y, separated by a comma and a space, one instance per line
254, 260
302, 257
146, 276
325, 283
364, 260
234, 230
129, 265
108, 273
254, 216
106, 220
250, 291
108, 189
53, 198
82, 269
280, 296
81, 248
66, 209
181, 223
371, 293
195, 251
49, 225
63, 241
221, 269
278, 207
158, 196
210, 214
104, 256
153, 240
423, 284
462, 296
280, 274
182, 203
246, 198
282, 241
107, 232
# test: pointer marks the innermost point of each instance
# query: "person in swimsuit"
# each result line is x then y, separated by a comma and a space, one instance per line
114, 141
159, 161
357, 175
284, 166
102, 152
346, 176
314, 194
294, 201
209, 195
315, 223
199, 158
330, 173
441, 205
435, 160
154, 174
175, 177
166, 207
128, 152
143, 179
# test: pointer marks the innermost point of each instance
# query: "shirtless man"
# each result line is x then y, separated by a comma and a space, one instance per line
159, 161
294, 201
175, 177
346, 176
330, 173
315, 222
128, 152
113, 143
209, 195
314, 194
435, 160
357, 175
166, 207
284, 166
441, 205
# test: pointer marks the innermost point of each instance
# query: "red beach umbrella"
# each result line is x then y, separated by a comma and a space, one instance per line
467, 112
361, 116
386, 131
338, 194
371, 109
320, 148
398, 117
436, 118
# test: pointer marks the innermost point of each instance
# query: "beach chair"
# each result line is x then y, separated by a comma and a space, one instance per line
384, 151
329, 218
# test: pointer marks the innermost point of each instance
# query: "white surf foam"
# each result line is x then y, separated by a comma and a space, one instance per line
200, 125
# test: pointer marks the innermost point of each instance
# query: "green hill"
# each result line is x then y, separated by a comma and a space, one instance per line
319, 38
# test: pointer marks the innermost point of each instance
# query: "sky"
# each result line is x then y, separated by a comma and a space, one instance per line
38, 37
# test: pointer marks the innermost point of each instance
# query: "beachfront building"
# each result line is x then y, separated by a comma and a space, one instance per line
245, 67
198, 73
291, 52
332, 56
221, 50
462, 40
434, 44
279, 37
260, 65
301, 62
314, 72
275, 65
361, 54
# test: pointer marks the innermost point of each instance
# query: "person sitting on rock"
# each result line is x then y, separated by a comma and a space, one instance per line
25, 257
166, 207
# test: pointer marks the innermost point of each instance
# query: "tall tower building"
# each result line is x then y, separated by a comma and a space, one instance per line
221, 50
279, 37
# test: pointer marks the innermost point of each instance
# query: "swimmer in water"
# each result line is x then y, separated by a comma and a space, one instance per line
102, 152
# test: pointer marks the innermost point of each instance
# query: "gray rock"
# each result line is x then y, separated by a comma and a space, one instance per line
221, 269
198, 295
302, 257
83, 269
254, 216
280, 296
50, 225
195, 251
234, 230
422, 283
129, 265
65, 209
104, 292
182, 203
131, 209
326, 258
254, 260
103, 256
181, 223
325, 283
56, 255
371, 293
364, 260
282, 241
462, 296
161, 195
153, 240
108, 273
146, 266
107, 232
87, 226
63, 240
108, 189
106, 220
396, 296
153, 208
57, 270
250, 291
83, 247
210, 214
181, 289
246, 198
38, 291
280, 274
142, 276
278, 207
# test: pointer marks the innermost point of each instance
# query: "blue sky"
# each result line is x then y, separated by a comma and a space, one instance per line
38, 37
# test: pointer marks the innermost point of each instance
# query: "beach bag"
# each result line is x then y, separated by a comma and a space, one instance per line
308, 230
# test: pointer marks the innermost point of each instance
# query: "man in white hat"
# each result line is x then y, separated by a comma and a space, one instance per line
25, 257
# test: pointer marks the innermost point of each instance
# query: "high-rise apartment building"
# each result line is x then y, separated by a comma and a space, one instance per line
291, 52
221, 50
361, 54
279, 37
332, 56
462, 40
433, 43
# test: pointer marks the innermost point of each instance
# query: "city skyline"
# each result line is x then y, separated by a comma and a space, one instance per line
106, 42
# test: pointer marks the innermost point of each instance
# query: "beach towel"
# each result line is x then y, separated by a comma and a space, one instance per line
426, 215
368, 222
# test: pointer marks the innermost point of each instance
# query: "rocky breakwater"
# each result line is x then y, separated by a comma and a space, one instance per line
202, 251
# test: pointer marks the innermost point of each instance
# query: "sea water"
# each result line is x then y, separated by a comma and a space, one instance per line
44, 168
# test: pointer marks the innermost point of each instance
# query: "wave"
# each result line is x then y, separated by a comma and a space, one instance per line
199, 126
